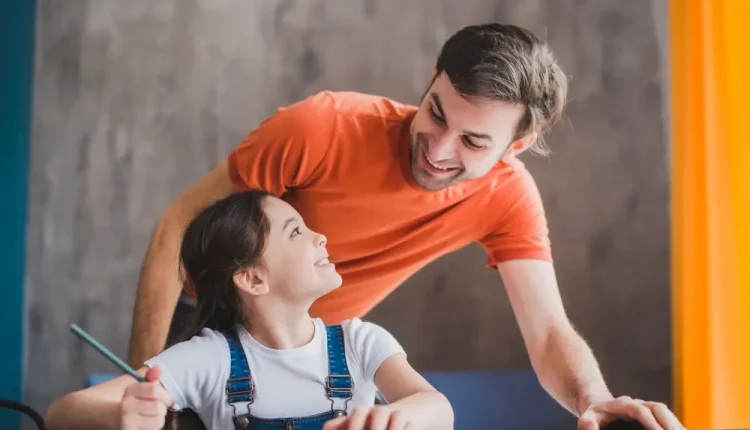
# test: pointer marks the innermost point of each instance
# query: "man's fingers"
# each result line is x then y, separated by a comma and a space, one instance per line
588, 421
651, 415
625, 407
663, 415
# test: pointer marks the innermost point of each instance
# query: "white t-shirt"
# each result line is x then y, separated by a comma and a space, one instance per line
288, 383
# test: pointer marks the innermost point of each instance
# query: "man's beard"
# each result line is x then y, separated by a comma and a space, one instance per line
424, 178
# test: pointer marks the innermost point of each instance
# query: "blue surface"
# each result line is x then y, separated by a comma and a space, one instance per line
16, 75
509, 399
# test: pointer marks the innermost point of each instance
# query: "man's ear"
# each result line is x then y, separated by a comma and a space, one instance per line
519, 146
251, 280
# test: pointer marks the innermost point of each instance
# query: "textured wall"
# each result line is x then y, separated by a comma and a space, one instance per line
136, 100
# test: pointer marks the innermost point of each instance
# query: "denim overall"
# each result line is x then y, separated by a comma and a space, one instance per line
240, 387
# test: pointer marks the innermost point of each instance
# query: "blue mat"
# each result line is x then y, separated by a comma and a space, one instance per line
509, 399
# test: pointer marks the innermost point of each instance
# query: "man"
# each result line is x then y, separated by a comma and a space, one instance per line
393, 187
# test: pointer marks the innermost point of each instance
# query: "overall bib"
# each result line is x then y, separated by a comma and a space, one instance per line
240, 387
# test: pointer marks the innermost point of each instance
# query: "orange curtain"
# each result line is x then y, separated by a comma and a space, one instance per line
710, 89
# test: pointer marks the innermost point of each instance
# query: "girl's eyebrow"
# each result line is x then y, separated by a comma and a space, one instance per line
287, 222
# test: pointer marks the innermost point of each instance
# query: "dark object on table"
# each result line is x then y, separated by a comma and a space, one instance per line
24, 409
624, 425
185, 419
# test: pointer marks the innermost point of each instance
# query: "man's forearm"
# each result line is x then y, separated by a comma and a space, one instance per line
159, 289
569, 372
159, 285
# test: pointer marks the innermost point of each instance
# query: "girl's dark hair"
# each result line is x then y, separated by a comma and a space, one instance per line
224, 237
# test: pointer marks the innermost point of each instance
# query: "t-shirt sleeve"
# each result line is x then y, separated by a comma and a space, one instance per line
518, 227
191, 371
372, 345
287, 150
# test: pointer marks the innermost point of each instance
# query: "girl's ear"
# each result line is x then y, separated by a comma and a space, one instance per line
251, 280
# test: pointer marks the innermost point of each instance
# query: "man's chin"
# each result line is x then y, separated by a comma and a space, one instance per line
432, 183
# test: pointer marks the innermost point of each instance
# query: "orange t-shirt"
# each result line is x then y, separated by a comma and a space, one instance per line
342, 160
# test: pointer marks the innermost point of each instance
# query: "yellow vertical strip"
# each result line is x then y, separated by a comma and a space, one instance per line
732, 284
709, 49
691, 355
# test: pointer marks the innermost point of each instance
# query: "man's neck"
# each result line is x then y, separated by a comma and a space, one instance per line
278, 326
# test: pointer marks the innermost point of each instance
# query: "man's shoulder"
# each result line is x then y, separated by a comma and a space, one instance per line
344, 113
357, 105
511, 177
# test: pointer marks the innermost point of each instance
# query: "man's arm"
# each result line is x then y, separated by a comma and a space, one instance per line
562, 360
159, 285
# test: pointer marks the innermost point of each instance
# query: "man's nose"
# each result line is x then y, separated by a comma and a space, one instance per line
442, 147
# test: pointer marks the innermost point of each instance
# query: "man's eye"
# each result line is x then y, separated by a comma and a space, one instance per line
471, 144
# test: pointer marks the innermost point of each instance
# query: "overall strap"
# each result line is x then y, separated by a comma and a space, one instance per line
240, 386
339, 383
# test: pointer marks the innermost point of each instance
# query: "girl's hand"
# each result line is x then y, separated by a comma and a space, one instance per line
144, 404
378, 417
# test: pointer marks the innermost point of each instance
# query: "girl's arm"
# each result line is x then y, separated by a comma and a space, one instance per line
410, 397
104, 406
413, 403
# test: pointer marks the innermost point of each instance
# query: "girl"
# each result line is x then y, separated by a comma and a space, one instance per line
256, 358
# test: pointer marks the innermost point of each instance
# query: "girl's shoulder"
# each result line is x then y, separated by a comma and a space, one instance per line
370, 343
208, 344
356, 327
205, 338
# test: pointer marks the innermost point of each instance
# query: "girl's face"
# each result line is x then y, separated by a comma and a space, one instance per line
295, 259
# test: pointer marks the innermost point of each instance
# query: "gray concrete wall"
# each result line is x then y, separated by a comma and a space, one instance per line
135, 100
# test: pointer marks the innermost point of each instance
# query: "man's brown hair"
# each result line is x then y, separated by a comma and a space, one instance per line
507, 63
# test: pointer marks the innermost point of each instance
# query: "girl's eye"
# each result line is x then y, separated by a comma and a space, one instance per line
295, 231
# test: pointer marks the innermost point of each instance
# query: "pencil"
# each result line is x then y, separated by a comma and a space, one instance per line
106, 353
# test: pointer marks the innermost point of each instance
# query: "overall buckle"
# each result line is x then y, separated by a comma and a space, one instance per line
232, 395
339, 384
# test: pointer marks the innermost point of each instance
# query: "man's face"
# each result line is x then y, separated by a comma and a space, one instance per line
454, 139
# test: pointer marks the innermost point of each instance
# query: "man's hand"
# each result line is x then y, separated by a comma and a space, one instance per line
373, 418
652, 415
563, 362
